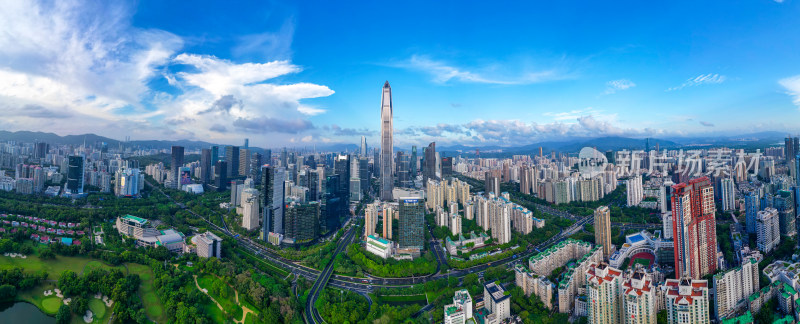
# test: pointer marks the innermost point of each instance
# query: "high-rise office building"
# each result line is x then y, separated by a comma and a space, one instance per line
429, 165
221, 175
232, 159
40, 150
75, 177
386, 167
792, 147
245, 158
694, 228
602, 229
412, 223
363, 173
363, 149
246, 143
205, 166
302, 222
447, 167
177, 163
342, 167
412, 165
272, 199
214, 154
250, 212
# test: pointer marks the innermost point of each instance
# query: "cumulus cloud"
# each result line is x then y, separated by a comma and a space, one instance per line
77, 67
80, 58
700, 80
792, 86
618, 85
442, 72
512, 132
223, 104
706, 124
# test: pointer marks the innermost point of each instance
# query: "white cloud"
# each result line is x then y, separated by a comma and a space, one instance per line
792, 85
90, 70
442, 72
618, 85
514, 132
699, 80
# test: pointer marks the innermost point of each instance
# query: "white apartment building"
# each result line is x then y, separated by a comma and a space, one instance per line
735, 285
768, 231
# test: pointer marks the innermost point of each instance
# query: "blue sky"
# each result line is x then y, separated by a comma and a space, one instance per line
475, 73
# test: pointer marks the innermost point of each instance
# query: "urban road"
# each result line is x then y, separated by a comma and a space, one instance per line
366, 285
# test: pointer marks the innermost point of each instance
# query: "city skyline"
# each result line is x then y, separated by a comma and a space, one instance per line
603, 70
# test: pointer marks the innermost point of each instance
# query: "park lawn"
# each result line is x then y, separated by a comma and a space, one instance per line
152, 304
251, 319
244, 302
54, 267
228, 303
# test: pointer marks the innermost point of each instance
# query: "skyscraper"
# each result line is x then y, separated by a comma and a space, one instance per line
232, 159
214, 154
302, 222
205, 166
221, 175
694, 228
447, 167
386, 167
342, 167
75, 175
272, 199
177, 163
602, 229
412, 165
363, 151
752, 205
412, 222
429, 167
250, 212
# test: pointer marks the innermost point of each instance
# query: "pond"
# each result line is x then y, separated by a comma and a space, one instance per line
23, 313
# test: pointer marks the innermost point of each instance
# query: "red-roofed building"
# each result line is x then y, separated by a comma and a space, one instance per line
603, 284
639, 298
687, 301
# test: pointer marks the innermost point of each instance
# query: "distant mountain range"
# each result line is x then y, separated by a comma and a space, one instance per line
747, 141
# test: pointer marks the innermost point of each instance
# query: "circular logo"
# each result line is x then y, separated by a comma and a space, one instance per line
591, 162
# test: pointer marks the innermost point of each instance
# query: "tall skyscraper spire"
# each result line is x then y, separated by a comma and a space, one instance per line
387, 176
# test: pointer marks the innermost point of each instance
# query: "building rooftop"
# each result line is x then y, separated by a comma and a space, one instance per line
135, 219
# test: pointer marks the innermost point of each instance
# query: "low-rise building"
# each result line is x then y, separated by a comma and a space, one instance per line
379, 246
